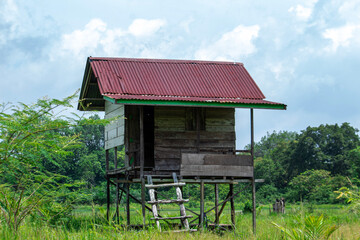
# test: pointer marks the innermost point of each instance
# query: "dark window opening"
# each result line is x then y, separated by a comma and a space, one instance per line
195, 118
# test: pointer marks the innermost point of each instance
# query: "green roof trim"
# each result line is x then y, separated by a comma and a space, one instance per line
193, 103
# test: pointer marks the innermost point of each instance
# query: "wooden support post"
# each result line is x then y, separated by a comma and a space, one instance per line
253, 178
198, 130
107, 159
232, 207
181, 191
202, 207
115, 157
117, 214
157, 205
184, 221
128, 204
153, 199
216, 204
107, 186
142, 162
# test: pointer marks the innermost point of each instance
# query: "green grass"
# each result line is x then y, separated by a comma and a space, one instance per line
89, 222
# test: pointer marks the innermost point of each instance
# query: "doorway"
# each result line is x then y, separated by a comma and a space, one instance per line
149, 136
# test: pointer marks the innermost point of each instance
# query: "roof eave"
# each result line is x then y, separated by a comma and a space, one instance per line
84, 84
196, 103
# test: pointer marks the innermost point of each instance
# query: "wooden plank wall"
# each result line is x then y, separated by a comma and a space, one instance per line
171, 138
220, 165
114, 131
133, 132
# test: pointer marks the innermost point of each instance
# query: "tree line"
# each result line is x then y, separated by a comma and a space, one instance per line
310, 165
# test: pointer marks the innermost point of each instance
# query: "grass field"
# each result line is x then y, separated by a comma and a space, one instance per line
88, 222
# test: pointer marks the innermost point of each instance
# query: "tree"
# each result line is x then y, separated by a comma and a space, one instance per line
34, 140
271, 141
315, 186
354, 163
324, 147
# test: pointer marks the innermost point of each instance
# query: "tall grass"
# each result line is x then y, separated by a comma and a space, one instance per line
89, 222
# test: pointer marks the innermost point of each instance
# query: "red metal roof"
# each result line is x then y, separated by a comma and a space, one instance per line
183, 80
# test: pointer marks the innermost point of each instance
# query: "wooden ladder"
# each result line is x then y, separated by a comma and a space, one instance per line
154, 202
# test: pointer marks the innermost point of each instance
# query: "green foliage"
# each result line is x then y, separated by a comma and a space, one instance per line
354, 162
285, 161
352, 196
267, 193
272, 141
34, 141
308, 227
324, 147
314, 186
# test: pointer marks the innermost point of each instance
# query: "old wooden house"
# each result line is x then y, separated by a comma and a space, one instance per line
174, 118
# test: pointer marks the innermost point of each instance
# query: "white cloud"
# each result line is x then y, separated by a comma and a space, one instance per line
9, 11
303, 13
9, 16
349, 11
232, 45
144, 28
341, 36
96, 38
186, 24
84, 40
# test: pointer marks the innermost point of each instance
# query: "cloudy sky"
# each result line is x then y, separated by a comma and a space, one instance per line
302, 53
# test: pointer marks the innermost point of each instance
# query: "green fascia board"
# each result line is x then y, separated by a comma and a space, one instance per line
195, 104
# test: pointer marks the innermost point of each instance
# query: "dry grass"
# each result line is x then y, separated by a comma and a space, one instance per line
89, 224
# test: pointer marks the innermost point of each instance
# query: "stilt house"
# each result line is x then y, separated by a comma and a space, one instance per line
174, 116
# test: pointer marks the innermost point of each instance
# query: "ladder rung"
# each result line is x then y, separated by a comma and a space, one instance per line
165, 185
181, 230
168, 201
171, 218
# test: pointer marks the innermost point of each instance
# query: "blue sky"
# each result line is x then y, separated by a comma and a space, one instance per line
302, 53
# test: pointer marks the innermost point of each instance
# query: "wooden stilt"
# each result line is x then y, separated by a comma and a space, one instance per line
202, 209
107, 186
128, 204
117, 214
253, 179
154, 206
142, 160
232, 207
216, 204
198, 130
254, 205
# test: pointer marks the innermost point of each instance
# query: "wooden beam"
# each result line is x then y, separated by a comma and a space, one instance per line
201, 204
216, 204
107, 160
253, 178
228, 197
107, 186
142, 160
194, 181
128, 204
197, 130
117, 214
232, 207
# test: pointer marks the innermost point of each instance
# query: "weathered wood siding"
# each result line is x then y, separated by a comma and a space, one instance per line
220, 165
171, 138
114, 131
133, 133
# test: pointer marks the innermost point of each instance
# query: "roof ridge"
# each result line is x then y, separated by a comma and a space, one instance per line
171, 61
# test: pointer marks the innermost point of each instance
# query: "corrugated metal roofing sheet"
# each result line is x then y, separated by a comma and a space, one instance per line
175, 80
